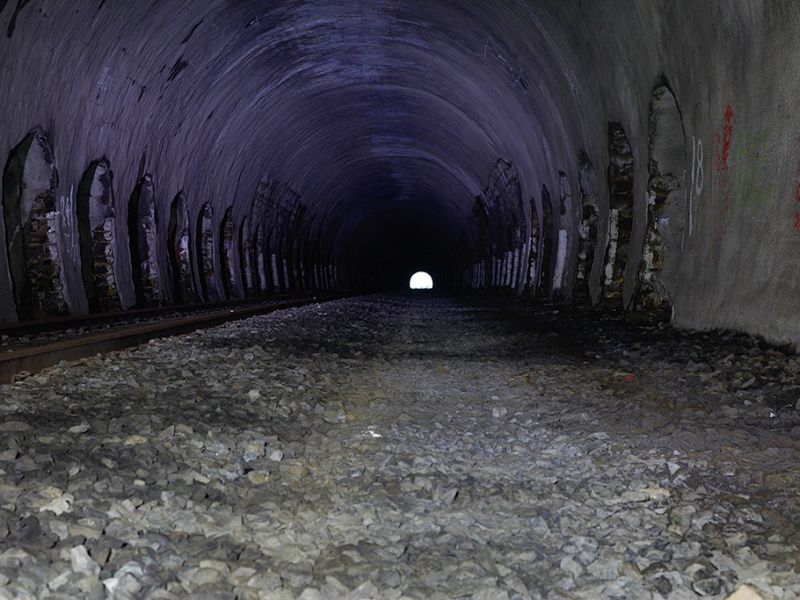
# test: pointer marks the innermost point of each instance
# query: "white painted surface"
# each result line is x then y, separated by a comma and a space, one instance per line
561, 259
276, 277
612, 246
515, 268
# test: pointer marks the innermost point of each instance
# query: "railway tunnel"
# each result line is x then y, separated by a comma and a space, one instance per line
600, 397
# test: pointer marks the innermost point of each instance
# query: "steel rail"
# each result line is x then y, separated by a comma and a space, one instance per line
34, 358
54, 324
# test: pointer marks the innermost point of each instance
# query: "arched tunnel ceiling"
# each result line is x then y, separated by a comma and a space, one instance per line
482, 124
355, 105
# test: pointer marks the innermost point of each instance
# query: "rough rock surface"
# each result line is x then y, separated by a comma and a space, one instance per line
388, 447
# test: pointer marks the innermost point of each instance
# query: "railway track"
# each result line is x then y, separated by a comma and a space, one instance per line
29, 347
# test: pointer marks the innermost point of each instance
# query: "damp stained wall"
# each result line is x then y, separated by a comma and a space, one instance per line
395, 112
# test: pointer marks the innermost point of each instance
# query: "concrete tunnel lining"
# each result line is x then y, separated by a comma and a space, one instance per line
323, 109
584, 181
348, 108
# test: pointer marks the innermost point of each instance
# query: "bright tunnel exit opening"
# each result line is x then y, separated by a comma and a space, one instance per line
421, 281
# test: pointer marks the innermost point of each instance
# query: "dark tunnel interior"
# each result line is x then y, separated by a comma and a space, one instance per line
237, 150
215, 384
340, 146
390, 248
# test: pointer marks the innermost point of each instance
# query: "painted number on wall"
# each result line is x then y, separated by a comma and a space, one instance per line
698, 176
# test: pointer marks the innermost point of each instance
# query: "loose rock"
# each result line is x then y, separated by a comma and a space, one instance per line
350, 451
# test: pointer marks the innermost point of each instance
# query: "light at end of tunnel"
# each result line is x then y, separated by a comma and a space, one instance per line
421, 281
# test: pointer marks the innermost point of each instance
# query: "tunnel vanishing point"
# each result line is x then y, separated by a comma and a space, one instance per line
599, 400
637, 155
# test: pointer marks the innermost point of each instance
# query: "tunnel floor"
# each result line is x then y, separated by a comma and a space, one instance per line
416, 446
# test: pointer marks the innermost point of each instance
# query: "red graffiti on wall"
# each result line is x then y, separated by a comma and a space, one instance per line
724, 140
721, 191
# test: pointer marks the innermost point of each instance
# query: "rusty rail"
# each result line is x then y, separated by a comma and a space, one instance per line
34, 358
54, 324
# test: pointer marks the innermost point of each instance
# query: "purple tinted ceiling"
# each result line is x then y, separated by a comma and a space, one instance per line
357, 105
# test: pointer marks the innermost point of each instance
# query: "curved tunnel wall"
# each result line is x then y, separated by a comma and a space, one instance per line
339, 145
